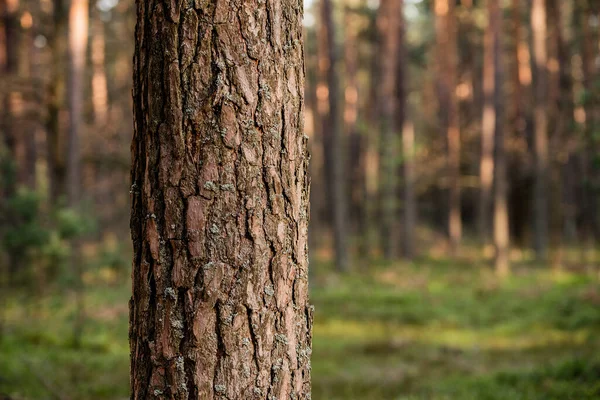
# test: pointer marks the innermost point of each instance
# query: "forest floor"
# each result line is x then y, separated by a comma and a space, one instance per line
433, 329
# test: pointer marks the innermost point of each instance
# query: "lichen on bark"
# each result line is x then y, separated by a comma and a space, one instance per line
220, 208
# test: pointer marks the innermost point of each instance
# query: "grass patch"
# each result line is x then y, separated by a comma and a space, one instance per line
429, 330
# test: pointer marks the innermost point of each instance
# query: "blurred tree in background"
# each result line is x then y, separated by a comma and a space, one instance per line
455, 166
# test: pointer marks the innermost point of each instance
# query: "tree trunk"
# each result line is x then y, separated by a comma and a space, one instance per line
388, 24
351, 107
334, 145
488, 127
403, 123
501, 228
78, 39
56, 94
10, 103
99, 82
591, 230
540, 203
26, 125
219, 203
447, 56
410, 207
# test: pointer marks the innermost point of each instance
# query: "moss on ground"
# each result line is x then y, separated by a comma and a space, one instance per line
429, 330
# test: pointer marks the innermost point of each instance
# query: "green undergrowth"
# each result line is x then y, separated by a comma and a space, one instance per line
428, 330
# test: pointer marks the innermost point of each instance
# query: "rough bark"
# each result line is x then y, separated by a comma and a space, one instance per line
219, 202
447, 56
540, 201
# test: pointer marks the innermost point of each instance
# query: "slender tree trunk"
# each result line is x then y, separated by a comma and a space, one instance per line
56, 149
99, 82
388, 24
501, 228
409, 211
10, 102
351, 108
335, 145
219, 203
488, 126
561, 141
447, 56
27, 126
540, 204
589, 46
410, 207
371, 149
78, 39
566, 106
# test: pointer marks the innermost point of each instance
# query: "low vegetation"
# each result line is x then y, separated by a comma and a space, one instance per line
429, 330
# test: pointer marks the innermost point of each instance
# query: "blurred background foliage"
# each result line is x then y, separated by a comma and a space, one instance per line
431, 278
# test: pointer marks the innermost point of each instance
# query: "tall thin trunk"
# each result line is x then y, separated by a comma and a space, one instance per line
11, 100
78, 39
219, 203
56, 149
351, 108
99, 82
561, 141
447, 57
501, 228
388, 24
488, 126
566, 106
540, 203
409, 210
27, 126
409, 171
370, 149
589, 48
335, 145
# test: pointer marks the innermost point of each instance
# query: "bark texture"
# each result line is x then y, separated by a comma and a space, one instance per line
219, 202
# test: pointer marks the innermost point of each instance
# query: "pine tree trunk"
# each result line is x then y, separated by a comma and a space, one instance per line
540, 202
501, 224
488, 125
55, 156
78, 39
99, 82
9, 103
219, 203
406, 126
388, 23
410, 206
334, 144
447, 57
